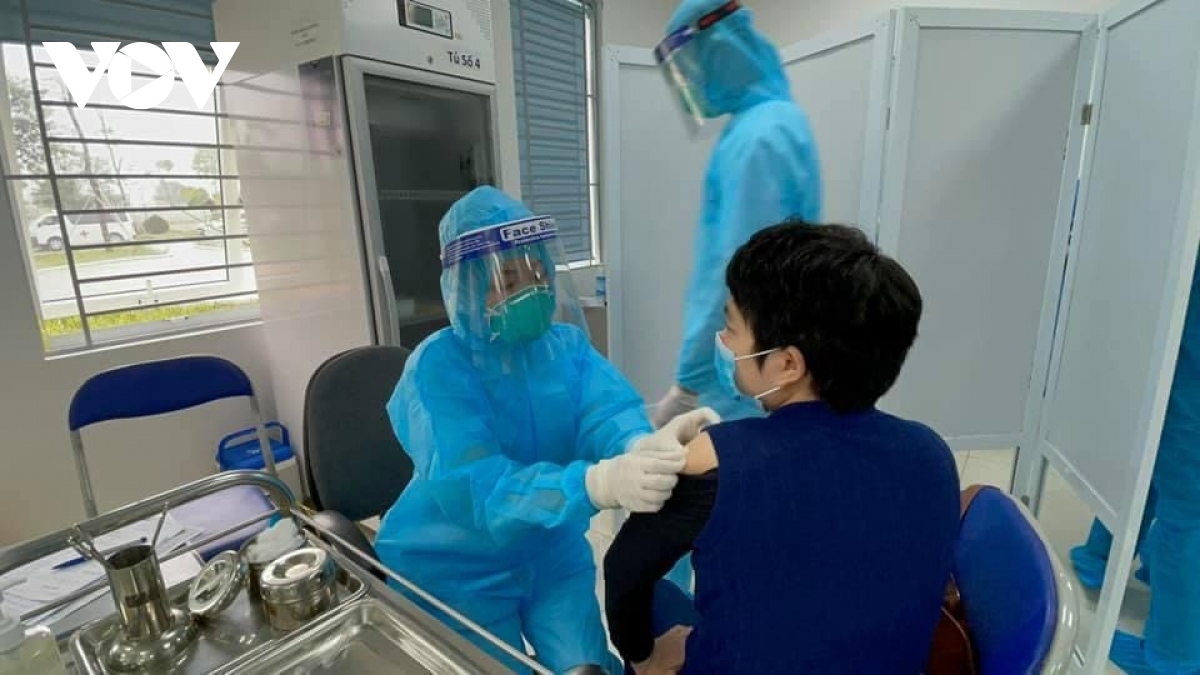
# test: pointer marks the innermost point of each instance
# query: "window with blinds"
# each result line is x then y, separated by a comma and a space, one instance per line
554, 68
131, 218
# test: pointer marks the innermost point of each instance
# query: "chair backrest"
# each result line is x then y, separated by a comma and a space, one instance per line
1007, 579
156, 387
354, 463
153, 388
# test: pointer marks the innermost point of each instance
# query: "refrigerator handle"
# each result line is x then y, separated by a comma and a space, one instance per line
388, 304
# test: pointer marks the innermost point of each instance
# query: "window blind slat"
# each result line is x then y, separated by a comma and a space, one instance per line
550, 66
83, 21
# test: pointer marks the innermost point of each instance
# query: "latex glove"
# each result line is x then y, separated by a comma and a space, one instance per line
640, 482
677, 402
676, 433
669, 653
643, 478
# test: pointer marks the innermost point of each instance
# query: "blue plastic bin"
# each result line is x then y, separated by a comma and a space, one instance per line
240, 450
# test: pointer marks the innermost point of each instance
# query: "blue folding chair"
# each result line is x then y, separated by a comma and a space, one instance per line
172, 385
1021, 605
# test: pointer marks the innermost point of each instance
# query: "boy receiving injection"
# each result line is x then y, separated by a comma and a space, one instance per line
822, 535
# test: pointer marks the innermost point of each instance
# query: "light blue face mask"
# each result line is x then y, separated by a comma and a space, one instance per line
726, 366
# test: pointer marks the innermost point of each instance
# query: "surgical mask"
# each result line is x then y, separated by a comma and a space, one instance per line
523, 317
726, 366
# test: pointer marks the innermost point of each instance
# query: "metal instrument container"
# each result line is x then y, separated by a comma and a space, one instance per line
217, 586
253, 589
227, 637
256, 568
152, 633
297, 587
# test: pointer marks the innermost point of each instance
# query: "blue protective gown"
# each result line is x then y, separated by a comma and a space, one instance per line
763, 170
493, 521
1171, 549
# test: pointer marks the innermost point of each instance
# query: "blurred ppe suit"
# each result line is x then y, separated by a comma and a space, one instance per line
1171, 549
1091, 558
763, 171
505, 414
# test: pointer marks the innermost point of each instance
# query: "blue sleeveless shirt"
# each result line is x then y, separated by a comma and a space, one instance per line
828, 548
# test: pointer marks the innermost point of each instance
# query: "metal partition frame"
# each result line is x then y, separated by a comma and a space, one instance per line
903, 109
1121, 512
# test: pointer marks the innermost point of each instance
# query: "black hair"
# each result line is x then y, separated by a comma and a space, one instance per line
827, 291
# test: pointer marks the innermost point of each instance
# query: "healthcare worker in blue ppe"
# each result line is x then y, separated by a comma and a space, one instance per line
1171, 529
519, 432
763, 170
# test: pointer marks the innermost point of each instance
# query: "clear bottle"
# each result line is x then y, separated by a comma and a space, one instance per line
30, 651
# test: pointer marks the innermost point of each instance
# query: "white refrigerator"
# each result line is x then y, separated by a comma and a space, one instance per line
355, 126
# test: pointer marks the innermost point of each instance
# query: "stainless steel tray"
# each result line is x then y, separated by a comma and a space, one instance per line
360, 638
223, 643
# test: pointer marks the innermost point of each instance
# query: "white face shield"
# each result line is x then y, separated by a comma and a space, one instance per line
679, 58
503, 282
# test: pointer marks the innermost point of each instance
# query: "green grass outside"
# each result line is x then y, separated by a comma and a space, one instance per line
70, 325
48, 259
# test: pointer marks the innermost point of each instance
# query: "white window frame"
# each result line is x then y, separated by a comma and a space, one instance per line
591, 27
239, 282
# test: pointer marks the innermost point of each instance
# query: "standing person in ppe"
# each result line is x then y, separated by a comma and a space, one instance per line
763, 170
519, 432
1171, 529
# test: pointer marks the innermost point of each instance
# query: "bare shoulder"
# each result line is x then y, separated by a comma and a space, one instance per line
701, 456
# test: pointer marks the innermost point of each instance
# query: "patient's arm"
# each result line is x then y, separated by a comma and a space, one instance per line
648, 546
701, 456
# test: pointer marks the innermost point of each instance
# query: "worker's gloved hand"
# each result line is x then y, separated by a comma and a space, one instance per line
642, 479
676, 432
677, 402
640, 482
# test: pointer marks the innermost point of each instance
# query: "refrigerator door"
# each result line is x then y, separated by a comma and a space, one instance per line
420, 142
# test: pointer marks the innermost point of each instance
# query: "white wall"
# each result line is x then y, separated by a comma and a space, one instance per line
635, 23
787, 21
38, 487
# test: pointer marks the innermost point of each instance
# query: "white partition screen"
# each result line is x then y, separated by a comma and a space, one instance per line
1130, 266
841, 80
653, 186
1131, 269
982, 157
654, 179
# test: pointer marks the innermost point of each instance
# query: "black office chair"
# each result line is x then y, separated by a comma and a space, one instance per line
354, 466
